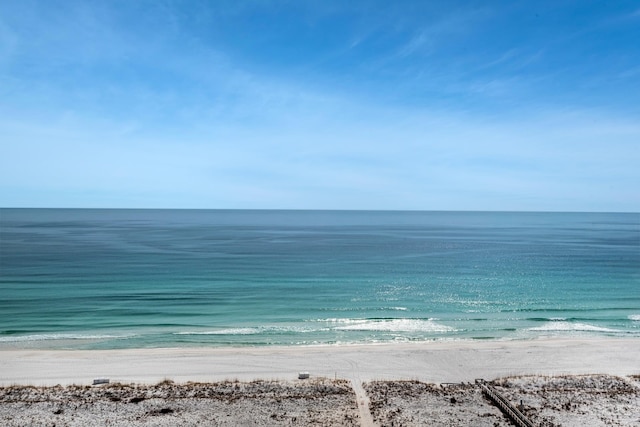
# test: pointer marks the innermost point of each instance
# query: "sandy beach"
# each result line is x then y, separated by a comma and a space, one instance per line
387, 384
436, 362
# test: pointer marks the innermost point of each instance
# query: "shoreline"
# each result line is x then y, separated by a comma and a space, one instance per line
434, 362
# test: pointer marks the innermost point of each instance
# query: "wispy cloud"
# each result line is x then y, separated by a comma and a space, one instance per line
104, 112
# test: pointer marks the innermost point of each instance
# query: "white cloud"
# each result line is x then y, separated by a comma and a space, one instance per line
204, 129
432, 161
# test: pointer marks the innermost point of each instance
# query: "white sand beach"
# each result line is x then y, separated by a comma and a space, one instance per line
558, 382
436, 362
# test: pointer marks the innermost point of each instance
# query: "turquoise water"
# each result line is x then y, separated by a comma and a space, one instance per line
166, 278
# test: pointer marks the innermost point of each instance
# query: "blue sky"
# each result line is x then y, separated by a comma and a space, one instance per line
428, 105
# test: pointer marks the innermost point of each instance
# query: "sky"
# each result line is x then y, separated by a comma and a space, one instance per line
266, 104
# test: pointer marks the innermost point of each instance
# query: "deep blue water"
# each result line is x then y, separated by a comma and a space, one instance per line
157, 278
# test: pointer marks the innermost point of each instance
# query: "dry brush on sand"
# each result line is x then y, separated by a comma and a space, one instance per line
585, 400
316, 402
414, 403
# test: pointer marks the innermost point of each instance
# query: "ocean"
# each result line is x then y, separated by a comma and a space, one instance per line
108, 279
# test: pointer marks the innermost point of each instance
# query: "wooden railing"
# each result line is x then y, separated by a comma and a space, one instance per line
505, 406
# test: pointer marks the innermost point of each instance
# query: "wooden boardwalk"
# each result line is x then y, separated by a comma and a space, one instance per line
505, 406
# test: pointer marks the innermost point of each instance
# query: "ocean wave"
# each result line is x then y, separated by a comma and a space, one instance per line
252, 330
563, 326
392, 325
341, 320
635, 317
230, 331
545, 319
58, 337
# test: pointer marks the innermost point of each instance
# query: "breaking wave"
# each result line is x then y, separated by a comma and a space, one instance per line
390, 325
563, 326
58, 337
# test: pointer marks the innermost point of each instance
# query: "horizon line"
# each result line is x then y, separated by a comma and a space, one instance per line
319, 210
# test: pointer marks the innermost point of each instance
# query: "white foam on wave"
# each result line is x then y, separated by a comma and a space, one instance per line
230, 331
563, 326
635, 317
392, 325
58, 337
340, 320
272, 329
